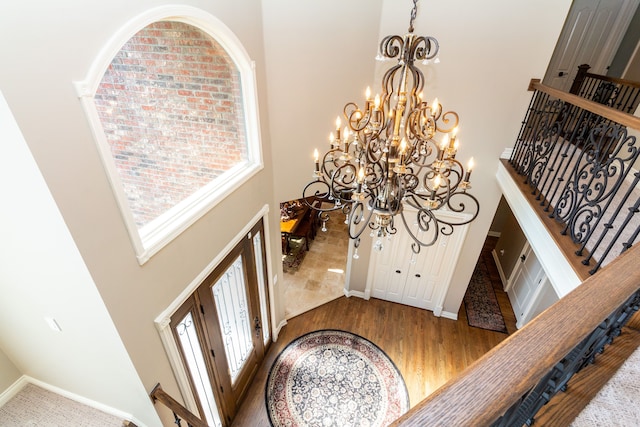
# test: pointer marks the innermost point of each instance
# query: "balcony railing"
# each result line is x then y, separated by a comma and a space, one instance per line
508, 385
623, 95
576, 158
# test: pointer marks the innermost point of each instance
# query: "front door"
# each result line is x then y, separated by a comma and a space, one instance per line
230, 315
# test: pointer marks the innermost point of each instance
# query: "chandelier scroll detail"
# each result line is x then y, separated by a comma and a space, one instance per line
395, 159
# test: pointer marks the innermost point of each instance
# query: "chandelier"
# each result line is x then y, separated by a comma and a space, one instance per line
395, 159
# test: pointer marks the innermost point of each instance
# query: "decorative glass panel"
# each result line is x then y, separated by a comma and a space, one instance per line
195, 362
233, 314
262, 286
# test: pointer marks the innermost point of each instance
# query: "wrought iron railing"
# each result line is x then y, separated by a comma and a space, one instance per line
620, 94
578, 158
524, 410
509, 384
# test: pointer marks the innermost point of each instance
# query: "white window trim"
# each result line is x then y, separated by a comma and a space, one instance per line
159, 232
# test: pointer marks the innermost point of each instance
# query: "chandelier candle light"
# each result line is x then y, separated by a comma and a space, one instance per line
387, 156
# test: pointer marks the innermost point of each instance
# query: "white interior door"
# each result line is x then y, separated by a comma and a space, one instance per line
591, 35
420, 280
524, 282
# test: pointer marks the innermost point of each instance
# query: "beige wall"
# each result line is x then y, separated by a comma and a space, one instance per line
61, 39
499, 218
509, 245
310, 59
9, 374
44, 277
319, 55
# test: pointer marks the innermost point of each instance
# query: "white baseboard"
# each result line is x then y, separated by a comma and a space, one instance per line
449, 315
437, 311
359, 294
278, 329
25, 379
13, 389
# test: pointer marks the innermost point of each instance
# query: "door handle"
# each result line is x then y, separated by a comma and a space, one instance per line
257, 326
522, 258
418, 275
398, 271
561, 74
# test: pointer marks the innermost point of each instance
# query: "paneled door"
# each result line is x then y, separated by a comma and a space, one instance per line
591, 35
229, 313
419, 280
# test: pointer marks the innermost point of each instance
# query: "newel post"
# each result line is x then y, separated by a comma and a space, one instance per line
580, 76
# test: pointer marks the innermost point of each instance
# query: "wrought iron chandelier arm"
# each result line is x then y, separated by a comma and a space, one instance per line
428, 224
359, 218
424, 48
472, 207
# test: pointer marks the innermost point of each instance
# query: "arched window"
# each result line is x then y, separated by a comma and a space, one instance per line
174, 111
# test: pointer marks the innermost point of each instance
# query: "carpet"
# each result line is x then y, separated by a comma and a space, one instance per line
617, 403
480, 302
334, 378
34, 406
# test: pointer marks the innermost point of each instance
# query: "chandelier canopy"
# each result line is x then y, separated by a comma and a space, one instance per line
396, 156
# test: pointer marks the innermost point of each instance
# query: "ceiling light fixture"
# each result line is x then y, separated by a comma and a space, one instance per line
396, 156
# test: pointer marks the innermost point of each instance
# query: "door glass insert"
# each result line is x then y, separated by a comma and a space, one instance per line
262, 289
194, 359
231, 303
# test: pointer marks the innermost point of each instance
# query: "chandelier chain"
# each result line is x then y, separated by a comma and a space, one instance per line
414, 13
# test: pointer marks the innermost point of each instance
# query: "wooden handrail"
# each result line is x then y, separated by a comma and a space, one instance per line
629, 83
485, 390
623, 118
158, 394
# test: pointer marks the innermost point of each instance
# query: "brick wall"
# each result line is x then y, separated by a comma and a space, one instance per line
171, 109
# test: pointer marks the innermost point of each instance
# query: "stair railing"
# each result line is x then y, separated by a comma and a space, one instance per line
180, 413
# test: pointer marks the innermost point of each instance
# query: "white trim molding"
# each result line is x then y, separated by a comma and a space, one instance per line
149, 239
558, 269
364, 295
449, 315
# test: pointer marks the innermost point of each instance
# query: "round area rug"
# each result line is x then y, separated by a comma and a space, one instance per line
334, 378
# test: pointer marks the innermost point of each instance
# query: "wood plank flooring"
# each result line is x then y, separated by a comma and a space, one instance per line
427, 350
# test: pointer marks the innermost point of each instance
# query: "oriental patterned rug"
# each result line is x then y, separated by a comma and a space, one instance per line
481, 303
334, 378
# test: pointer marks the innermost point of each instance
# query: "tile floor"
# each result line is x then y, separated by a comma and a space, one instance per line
321, 275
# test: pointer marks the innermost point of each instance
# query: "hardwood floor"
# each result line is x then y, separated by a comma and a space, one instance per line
427, 350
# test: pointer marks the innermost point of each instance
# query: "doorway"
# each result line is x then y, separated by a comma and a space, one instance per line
222, 330
591, 35
320, 274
